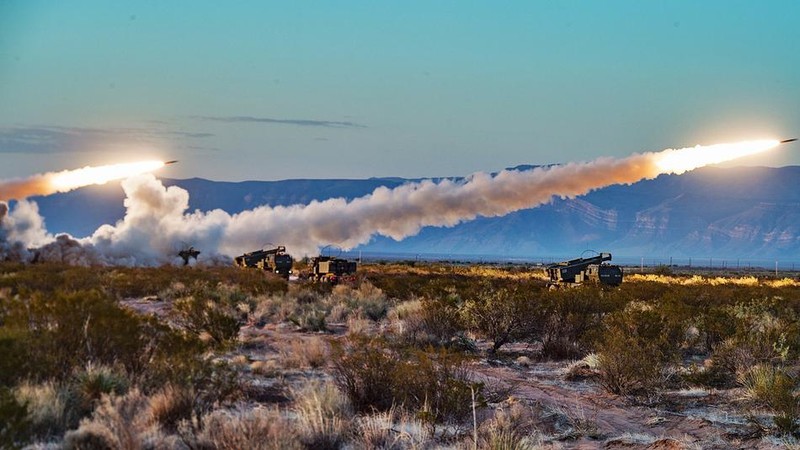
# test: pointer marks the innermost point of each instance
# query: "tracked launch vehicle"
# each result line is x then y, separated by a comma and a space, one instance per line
188, 253
332, 270
275, 260
577, 271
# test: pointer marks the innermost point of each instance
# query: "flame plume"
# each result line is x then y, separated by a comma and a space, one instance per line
67, 180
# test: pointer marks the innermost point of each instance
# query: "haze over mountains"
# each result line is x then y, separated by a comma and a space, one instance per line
747, 212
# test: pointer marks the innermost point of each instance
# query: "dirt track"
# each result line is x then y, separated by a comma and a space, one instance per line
593, 419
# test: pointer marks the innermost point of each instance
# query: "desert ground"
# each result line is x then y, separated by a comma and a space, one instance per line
406, 355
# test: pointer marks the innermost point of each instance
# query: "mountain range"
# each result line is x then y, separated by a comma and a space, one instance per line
732, 213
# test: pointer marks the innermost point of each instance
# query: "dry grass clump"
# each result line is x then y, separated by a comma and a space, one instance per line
256, 429
358, 325
118, 423
390, 430
268, 368
172, 404
365, 301
512, 427
408, 322
87, 387
573, 422
273, 308
303, 353
322, 415
46, 407
774, 387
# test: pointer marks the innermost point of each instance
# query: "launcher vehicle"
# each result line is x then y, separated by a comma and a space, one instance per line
577, 271
332, 270
274, 260
188, 253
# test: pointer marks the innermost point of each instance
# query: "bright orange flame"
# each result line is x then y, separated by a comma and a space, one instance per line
73, 179
682, 160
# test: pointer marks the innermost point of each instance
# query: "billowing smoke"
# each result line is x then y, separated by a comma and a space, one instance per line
20, 229
157, 221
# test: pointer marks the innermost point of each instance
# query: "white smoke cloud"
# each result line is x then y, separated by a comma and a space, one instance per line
20, 229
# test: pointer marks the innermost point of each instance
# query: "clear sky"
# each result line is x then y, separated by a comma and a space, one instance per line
274, 90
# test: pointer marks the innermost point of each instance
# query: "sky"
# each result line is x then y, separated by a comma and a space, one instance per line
350, 89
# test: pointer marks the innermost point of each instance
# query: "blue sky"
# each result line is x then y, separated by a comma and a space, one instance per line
274, 90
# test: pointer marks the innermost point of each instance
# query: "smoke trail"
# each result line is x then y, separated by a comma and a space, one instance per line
67, 180
157, 222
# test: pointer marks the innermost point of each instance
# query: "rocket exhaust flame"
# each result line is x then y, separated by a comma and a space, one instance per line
157, 217
679, 161
67, 180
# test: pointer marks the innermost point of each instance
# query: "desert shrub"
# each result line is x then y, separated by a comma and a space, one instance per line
119, 422
86, 388
90, 436
434, 382
205, 317
303, 353
363, 369
501, 315
390, 430
15, 363
766, 331
273, 309
46, 408
309, 318
366, 301
126, 282
510, 428
371, 301
634, 350
322, 415
61, 330
15, 425
171, 405
441, 317
774, 387
214, 384
256, 429
407, 322
571, 317
144, 281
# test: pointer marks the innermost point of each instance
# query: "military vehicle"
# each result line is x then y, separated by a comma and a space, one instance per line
274, 260
331, 269
577, 271
187, 253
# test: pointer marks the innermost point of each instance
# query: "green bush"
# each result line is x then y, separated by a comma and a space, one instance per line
87, 387
441, 317
58, 331
634, 349
774, 387
571, 318
203, 316
15, 426
310, 318
433, 383
502, 315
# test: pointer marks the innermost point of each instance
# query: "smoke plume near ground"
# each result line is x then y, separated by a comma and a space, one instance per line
157, 222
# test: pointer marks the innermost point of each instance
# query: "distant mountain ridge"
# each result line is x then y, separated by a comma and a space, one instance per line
746, 212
